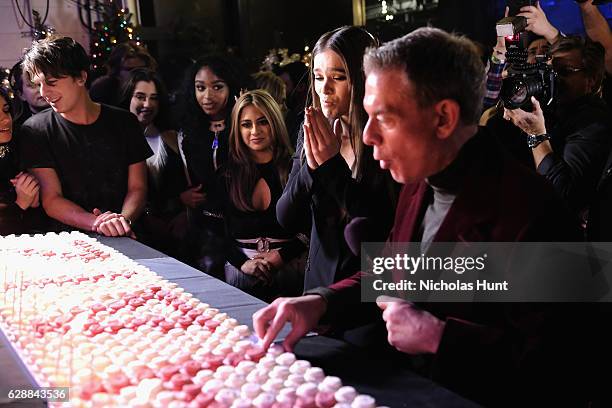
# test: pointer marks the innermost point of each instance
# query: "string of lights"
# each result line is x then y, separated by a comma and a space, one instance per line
114, 28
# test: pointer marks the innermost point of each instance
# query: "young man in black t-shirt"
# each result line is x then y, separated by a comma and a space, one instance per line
89, 158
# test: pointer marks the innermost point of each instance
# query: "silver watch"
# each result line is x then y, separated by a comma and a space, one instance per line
534, 140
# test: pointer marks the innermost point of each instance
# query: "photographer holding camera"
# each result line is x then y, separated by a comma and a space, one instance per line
570, 146
599, 226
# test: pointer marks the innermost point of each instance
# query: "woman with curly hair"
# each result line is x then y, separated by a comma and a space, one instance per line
212, 85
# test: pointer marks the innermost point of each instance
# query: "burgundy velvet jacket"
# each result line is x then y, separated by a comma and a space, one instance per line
496, 354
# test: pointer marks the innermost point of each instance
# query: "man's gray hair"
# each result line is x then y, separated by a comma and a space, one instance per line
439, 65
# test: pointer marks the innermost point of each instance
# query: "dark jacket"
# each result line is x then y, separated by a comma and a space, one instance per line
324, 201
599, 225
581, 137
497, 354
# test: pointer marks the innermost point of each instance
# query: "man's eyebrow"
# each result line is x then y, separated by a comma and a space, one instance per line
385, 110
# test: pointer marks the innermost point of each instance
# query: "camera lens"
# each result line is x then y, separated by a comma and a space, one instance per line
517, 92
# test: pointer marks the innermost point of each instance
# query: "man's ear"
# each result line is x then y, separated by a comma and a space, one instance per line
448, 114
83, 78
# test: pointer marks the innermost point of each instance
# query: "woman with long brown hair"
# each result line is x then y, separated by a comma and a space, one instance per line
263, 259
334, 178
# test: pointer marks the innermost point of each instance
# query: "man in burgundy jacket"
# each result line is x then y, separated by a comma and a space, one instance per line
423, 96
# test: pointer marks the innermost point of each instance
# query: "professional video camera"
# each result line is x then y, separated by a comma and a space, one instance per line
524, 79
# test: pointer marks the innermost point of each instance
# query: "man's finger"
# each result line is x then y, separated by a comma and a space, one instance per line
29, 182
107, 216
102, 229
19, 182
536, 105
384, 301
261, 319
293, 337
110, 228
277, 325
126, 227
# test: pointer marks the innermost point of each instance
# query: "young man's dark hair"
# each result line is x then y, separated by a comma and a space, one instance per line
89, 158
56, 57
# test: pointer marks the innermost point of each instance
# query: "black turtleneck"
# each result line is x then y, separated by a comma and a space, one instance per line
444, 187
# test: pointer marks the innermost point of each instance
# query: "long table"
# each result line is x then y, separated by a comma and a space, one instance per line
386, 380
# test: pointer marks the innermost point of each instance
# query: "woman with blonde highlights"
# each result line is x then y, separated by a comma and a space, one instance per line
263, 259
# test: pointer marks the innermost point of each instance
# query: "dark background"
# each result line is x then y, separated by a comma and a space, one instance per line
180, 29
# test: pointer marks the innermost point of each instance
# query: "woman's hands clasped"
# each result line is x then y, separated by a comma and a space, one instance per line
321, 141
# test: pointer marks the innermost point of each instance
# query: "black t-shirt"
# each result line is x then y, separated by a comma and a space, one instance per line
91, 161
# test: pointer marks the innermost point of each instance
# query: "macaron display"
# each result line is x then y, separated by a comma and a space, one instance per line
82, 315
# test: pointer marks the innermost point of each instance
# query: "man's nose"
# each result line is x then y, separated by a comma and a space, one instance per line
369, 135
43, 90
